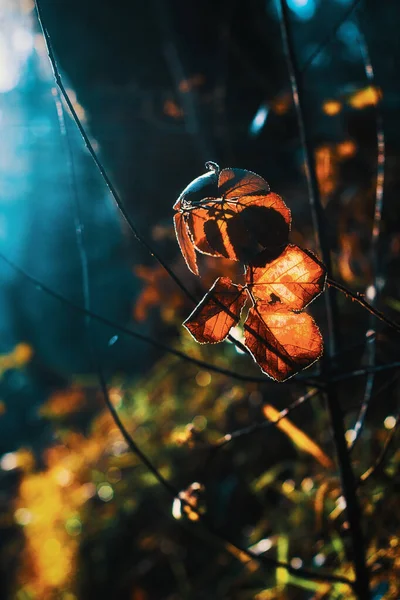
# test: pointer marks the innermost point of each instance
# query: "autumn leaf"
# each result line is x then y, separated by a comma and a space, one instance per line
217, 313
296, 278
281, 342
241, 219
185, 243
234, 183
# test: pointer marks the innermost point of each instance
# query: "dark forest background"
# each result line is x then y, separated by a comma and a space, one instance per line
161, 87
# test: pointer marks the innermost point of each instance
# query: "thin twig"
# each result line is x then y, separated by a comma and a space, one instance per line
317, 212
143, 338
348, 480
363, 371
379, 463
260, 77
97, 161
374, 249
141, 239
245, 431
357, 297
331, 35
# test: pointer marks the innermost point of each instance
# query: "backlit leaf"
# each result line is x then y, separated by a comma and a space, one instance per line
282, 342
234, 183
217, 313
185, 243
233, 216
296, 278
241, 229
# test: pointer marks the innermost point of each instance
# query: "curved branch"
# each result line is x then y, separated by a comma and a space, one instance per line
357, 297
141, 239
143, 338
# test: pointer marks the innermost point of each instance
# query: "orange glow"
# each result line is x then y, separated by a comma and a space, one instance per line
326, 170
63, 402
171, 109
298, 437
369, 96
186, 85
49, 505
332, 107
346, 149
282, 104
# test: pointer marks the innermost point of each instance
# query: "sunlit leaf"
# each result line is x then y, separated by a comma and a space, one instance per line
234, 183
185, 243
239, 221
282, 342
241, 229
298, 437
217, 313
296, 278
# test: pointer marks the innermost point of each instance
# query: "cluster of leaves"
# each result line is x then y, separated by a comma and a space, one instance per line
233, 214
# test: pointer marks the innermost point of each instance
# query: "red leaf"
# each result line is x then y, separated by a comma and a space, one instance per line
282, 342
185, 243
217, 313
296, 278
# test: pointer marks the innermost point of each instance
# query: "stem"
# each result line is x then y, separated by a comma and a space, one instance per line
375, 235
347, 477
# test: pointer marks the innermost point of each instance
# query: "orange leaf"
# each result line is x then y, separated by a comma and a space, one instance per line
185, 243
296, 278
217, 313
282, 342
234, 183
233, 215
241, 229
298, 437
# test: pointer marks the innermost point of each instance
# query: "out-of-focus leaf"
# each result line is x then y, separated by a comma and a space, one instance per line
298, 437
282, 342
158, 291
296, 278
217, 313
16, 359
63, 402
